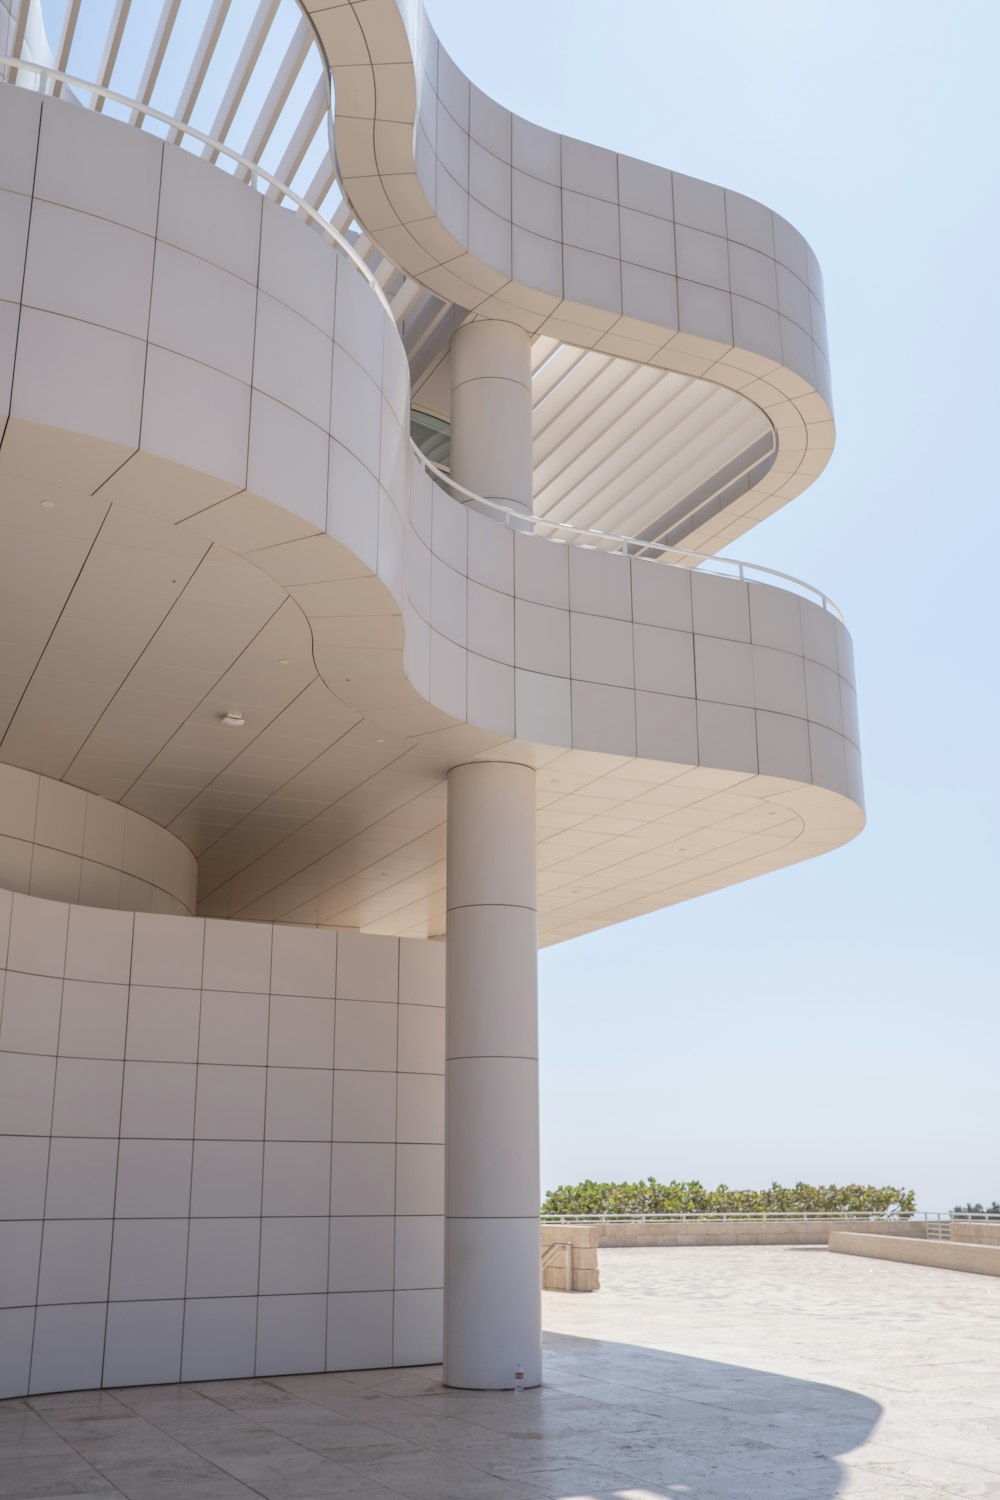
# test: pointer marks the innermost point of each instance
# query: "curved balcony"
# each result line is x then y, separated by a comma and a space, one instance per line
586, 248
235, 503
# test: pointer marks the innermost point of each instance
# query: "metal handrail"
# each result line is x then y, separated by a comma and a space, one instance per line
257, 172
704, 562
512, 516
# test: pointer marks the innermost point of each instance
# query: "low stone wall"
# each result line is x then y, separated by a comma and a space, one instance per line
948, 1255
572, 1266
975, 1234
907, 1229
740, 1232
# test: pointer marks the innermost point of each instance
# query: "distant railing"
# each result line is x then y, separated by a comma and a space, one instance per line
743, 1215
509, 515
609, 541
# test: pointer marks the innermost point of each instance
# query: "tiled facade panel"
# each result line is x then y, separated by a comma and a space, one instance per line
220, 1148
422, 610
292, 382
210, 314
66, 844
598, 651
574, 241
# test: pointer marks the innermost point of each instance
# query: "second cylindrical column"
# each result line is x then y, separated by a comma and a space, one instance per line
491, 411
492, 1259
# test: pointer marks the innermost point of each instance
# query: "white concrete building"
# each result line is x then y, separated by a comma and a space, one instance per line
306, 726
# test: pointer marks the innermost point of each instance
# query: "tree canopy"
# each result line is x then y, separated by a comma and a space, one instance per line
652, 1197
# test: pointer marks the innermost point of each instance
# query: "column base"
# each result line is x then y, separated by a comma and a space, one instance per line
493, 1306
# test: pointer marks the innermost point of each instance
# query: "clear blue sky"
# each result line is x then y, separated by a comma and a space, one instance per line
838, 1020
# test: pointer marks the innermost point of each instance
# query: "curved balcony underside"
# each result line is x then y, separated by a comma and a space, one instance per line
208, 502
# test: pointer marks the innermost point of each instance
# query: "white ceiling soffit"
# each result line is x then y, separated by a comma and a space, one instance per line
129, 639
632, 449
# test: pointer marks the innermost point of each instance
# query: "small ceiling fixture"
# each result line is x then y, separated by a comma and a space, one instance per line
282, 661
234, 719
48, 505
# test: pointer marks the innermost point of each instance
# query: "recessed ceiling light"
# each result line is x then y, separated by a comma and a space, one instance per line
380, 742
282, 661
48, 505
234, 719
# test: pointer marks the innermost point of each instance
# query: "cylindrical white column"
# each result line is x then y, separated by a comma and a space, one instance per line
492, 1276
491, 411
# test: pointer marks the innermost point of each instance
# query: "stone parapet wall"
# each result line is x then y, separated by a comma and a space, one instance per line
944, 1254
975, 1234
907, 1229
573, 1266
741, 1232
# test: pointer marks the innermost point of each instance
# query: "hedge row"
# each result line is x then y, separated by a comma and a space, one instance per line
652, 1197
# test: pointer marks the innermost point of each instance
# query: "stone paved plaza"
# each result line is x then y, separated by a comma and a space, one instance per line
715, 1374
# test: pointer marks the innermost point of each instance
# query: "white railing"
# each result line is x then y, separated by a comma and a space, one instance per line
743, 1215
255, 173
609, 541
509, 515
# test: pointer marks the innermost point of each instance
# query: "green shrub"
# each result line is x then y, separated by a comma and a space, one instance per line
652, 1197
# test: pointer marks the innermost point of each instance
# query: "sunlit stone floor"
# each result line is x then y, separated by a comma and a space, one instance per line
716, 1374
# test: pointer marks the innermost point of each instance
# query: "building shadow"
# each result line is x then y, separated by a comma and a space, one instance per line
619, 1417
612, 1421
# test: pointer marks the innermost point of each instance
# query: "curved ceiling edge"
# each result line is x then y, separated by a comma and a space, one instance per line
509, 220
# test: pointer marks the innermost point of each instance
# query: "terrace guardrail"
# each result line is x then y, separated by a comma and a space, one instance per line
609, 541
751, 1215
509, 515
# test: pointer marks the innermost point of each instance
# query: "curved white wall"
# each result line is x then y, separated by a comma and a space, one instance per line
69, 845
598, 250
221, 1149
564, 645
518, 635
255, 393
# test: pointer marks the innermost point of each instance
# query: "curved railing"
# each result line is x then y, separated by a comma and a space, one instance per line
255, 172
510, 515
609, 541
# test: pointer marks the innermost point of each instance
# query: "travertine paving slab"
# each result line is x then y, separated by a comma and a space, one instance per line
750, 1373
